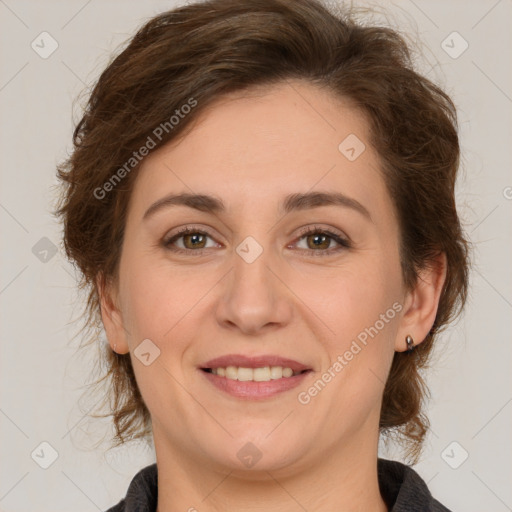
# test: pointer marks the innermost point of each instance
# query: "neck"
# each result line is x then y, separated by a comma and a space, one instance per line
342, 478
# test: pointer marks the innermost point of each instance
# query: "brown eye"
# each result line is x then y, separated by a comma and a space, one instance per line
188, 240
319, 241
194, 240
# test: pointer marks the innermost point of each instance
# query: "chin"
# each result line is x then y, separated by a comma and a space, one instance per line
252, 457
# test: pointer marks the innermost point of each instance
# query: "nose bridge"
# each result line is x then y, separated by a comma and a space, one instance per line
251, 263
254, 296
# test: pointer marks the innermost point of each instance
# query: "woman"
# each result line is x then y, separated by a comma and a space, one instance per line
261, 201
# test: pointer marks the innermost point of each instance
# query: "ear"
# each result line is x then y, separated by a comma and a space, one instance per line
111, 316
421, 304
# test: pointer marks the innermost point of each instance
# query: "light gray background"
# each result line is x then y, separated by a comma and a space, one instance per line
42, 378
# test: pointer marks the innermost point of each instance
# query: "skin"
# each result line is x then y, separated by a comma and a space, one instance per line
251, 150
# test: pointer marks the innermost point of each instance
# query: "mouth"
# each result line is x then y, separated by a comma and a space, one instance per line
254, 377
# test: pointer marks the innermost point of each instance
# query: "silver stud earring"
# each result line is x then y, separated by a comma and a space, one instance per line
410, 343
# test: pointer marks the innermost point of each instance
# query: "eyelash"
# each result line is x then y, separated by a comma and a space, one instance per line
344, 243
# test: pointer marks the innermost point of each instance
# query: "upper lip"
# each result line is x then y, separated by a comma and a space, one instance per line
254, 362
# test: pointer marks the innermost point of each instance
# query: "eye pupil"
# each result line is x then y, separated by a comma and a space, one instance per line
194, 237
316, 237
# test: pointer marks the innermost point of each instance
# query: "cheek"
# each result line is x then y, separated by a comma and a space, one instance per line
353, 297
159, 304
360, 308
160, 300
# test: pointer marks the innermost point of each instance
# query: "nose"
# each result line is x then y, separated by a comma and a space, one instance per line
255, 298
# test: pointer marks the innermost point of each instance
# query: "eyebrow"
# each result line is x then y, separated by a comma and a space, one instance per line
292, 202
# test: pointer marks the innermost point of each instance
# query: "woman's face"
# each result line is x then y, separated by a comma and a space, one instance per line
249, 280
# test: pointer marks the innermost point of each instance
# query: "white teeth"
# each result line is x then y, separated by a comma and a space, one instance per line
263, 374
245, 374
232, 372
287, 372
276, 372
260, 374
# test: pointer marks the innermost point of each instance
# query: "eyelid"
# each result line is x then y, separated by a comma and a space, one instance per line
319, 229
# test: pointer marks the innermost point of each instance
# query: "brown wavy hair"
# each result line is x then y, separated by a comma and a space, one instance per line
210, 48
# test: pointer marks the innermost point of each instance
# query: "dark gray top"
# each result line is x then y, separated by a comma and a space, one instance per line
401, 487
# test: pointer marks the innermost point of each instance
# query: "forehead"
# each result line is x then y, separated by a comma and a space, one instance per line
256, 146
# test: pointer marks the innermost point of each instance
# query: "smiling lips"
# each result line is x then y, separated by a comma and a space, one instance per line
254, 377
239, 360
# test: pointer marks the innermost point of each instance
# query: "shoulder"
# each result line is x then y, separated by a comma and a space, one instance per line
142, 492
404, 490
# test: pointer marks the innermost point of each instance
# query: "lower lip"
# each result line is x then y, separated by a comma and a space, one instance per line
251, 390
